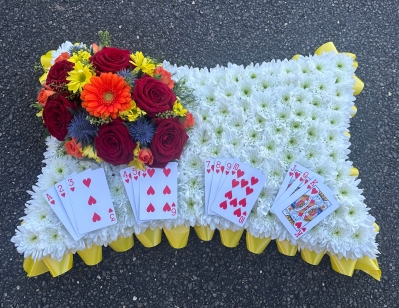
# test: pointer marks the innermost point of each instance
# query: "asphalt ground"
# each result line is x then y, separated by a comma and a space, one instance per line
203, 33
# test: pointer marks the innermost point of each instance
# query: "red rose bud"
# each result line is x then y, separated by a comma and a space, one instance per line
72, 148
153, 96
58, 73
110, 59
145, 156
44, 95
114, 144
168, 142
166, 77
57, 117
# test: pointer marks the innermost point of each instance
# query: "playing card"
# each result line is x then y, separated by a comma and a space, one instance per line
217, 170
55, 203
306, 208
296, 176
238, 195
130, 177
231, 165
91, 201
158, 193
209, 164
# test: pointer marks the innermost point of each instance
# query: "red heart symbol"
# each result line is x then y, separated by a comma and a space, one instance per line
309, 186
237, 212
300, 214
240, 173
217, 171
311, 202
213, 167
130, 175
229, 194
301, 179
254, 180
110, 210
233, 202
303, 229
298, 224
233, 172
92, 201
222, 168
227, 172
144, 174
314, 191
166, 190
234, 183
243, 202
150, 208
297, 174
150, 191
52, 202
208, 170
136, 177
63, 194
306, 181
166, 171
151, 172
166, 207
244, 183
223, 205
73, 188
173, 204
249, 190
291, 173
127, 180
96, 217
87, 182
245, 213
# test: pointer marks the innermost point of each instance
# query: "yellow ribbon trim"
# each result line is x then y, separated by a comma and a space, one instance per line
122, 244
347, 134
256, 244
330, 47
57, 268
311, 257
286, 248
91, 256
230, 238
34, 268
150, 238
205, 233
376, 227
177, 236
354, 172
354, 111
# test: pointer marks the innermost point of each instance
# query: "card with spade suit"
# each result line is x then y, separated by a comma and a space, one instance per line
91, 201
306, 208
158, 192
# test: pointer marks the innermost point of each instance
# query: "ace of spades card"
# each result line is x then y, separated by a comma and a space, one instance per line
238, 194
91, 201
158, 193
306, 208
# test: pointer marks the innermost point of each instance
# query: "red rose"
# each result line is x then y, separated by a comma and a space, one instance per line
153, 96
56, 116
110, 59
114, 144
168, 142
58, 73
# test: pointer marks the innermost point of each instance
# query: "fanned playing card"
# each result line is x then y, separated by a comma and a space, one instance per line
238, 194
306, 208
158, 193
91, 201
217, 170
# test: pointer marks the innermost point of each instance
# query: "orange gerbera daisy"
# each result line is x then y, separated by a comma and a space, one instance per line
106, 95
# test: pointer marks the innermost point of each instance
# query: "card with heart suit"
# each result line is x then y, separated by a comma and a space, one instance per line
217, 173
305, 208
296, 176
209, 167
130, 178
158, 193
238, 194
55, 203
91, 201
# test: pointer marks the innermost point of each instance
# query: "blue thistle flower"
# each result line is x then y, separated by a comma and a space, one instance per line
128, 75
81, 128
142, 131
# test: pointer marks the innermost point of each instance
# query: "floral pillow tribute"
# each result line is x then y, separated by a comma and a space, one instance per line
106, 107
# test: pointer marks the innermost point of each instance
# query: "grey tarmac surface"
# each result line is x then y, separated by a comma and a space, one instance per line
203, 33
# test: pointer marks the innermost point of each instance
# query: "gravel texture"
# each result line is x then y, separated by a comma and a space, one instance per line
203, 33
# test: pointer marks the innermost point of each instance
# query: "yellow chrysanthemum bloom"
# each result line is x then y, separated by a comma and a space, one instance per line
89, 152
135, 162
142, 63
80, 56
179, 110
133, 113
79, 77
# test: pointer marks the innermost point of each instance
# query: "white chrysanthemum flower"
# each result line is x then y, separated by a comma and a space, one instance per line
29, 243
300, 111
64, 47
362, 243
337, 240
344, 64
264, 82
